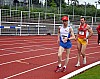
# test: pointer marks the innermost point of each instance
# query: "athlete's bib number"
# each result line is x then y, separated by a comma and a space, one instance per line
63, 37
81, 32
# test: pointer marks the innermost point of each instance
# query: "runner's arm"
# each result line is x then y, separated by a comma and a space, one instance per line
58, 34
72, 34
77, 35
90, 31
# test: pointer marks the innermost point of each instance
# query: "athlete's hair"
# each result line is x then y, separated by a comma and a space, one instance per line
82, 18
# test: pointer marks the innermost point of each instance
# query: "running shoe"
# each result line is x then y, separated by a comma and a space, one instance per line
63, 69
77, 65
58, 69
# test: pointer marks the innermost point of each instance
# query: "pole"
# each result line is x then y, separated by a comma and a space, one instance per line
60, 9
21, 23
96, 11
46, 5
54, 24
73, 10
92, 22
31, 2
16, 6
85, 9
29, 8
10, 10
38, 23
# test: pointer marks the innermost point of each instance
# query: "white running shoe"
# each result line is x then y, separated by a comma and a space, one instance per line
84, 60
77, 65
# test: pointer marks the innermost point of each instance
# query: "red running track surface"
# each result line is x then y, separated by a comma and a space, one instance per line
35, 57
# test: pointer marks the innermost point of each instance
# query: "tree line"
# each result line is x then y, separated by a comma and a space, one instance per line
54, 7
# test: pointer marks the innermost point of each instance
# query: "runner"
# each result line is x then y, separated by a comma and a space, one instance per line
65, 34
82, 39
98, 30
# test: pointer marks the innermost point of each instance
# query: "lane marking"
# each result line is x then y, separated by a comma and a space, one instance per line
32, 50
37, 56
26, 51
19, 61
26, 58
34, 69
41, 67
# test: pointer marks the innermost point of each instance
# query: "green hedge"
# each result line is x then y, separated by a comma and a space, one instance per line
78, 10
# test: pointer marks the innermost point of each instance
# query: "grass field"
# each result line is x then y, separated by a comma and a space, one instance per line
93, 73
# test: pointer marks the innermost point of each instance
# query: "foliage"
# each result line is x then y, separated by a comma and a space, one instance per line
54, 6
56, 2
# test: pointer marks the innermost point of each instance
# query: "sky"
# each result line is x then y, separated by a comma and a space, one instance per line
88, 1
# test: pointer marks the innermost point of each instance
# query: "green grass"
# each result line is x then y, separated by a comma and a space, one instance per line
93, 73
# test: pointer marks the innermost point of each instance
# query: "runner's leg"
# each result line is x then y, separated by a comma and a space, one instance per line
60, 51
83, 53
79, 53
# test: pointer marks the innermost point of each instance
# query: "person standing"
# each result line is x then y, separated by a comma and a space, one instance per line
84, 33
98, 30
65, 34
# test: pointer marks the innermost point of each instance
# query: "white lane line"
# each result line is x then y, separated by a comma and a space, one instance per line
30, 58
24, 47
37, 56
23, 62
79, 70
41, 67
33, 69
27, 58
42, 38
31, 46
26, 51
35, 50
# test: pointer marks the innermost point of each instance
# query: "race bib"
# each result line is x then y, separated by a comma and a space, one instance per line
63, 38
81, 32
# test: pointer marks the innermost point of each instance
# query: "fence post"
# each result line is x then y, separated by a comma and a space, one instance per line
45, 15
38, 23
54, 24
10, 10
21, 23
92, 22
68, 19
0, 21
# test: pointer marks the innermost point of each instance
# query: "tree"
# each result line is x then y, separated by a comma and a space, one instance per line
53, 4
57, 2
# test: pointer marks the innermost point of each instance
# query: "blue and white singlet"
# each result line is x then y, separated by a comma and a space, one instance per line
65, 32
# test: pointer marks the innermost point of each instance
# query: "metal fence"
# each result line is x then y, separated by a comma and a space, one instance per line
37, 23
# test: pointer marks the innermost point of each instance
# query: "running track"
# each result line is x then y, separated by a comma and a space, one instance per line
38, 56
